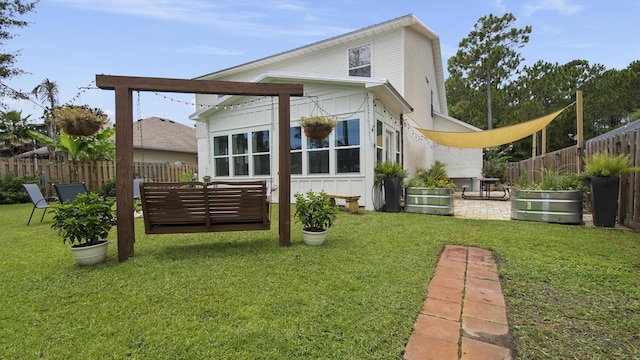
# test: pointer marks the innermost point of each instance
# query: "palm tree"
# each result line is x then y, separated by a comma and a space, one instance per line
47, 91
13, 129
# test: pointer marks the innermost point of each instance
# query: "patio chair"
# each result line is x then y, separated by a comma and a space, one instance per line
38, 200
136, 193
69, 192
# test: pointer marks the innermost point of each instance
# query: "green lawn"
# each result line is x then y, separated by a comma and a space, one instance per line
571, 291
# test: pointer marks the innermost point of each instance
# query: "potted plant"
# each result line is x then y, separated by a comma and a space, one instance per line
316, 214
317, 127
85, 223
430, 191
79, 120
390, 175
603, 172
557, 199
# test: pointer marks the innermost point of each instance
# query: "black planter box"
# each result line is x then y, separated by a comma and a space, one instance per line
604, 200
392, 192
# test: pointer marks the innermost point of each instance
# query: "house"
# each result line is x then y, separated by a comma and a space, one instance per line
379, 83
161, 140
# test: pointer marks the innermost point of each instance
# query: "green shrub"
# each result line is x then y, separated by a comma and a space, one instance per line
12, 191
604, 165
109, 188
388, 169
435, 177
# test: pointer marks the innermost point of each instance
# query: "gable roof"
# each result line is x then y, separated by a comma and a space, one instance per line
164, 134
382, 88
405, 21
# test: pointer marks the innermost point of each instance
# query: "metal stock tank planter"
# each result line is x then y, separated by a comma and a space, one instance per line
553, 206
438, 201
430, 191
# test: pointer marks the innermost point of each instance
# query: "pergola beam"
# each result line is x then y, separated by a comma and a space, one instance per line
125, 85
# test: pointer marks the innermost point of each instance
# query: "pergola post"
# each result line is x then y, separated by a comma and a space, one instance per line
124, 87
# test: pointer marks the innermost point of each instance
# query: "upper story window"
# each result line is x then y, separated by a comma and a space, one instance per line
360, 61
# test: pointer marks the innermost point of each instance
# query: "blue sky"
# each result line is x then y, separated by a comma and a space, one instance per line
70, 41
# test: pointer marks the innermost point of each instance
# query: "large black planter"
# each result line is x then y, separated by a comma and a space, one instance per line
604, 200
392, 192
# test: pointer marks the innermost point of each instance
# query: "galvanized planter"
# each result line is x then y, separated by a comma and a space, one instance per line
553, 206
429, 201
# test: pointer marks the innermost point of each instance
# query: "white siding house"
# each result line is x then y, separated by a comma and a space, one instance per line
378, 82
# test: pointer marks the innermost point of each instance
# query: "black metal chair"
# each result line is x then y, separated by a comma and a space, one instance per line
69, 192
38, 200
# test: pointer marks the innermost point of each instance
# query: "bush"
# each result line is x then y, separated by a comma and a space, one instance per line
109, 188
12, 191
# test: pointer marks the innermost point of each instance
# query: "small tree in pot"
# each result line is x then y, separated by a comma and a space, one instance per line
317, 214
390, 175
603, 172
85, 223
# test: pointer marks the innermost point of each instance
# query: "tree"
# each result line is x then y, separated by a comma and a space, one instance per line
13, 130
486, 58
47, 92
9, 10
98, 146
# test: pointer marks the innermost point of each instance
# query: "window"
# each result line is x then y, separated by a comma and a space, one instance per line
221, 155
379, 157
240, 148
318, 156
347, 143
234, 155
261, 158
398, 146
296, 150
360, 61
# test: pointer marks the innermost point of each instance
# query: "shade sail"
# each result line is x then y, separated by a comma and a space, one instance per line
493, 137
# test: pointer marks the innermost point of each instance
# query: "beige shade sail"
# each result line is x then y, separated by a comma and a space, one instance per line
493, 137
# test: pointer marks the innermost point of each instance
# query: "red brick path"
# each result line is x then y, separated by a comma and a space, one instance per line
464, 315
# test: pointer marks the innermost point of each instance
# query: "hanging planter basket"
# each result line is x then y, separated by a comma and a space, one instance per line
79, 120
317, 127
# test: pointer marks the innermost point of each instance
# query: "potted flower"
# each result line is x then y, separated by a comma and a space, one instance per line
79, 120
390, 175
603, 172
317, 127
557, 199
85, 223
316, 214
430, 191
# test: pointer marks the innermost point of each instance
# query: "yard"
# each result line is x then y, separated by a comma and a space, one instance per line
571, 291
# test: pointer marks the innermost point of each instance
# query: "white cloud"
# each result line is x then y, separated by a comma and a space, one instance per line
564, 7
252, 18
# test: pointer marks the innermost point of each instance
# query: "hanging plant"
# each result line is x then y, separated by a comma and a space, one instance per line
317, 127
79, 120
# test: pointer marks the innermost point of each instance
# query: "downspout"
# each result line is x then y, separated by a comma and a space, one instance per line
402, 139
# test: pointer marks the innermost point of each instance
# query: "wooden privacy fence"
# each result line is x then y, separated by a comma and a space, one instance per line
93, 173
571, 160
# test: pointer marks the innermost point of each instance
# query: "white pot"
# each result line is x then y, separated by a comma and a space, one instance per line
90, 255
313, 238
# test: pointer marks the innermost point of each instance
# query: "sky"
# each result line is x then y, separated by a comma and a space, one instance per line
70, 41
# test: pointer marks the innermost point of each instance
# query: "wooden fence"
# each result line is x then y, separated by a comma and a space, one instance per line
93, 173
571, 160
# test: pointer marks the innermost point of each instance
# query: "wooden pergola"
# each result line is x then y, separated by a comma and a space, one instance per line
124, 87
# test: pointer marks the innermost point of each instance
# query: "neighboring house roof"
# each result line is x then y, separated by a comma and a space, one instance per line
380, 87
621, 130
162, 134
405, 21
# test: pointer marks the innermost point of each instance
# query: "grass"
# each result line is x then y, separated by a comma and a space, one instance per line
571, 291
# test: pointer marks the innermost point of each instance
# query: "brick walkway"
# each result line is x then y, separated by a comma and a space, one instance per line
464, 315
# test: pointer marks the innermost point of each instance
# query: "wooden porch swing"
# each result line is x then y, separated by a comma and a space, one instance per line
123, 87
191, 207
